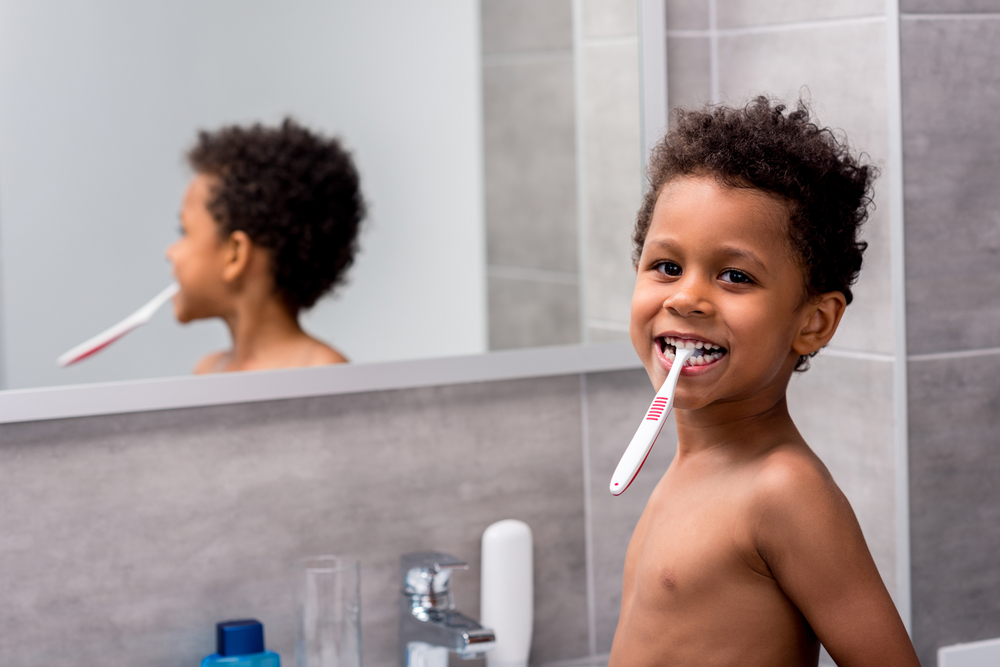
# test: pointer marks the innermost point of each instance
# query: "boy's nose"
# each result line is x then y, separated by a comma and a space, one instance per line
688, 300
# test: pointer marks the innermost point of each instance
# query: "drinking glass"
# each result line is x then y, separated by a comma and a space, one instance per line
328, 607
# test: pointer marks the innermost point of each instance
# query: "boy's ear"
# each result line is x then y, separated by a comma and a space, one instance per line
822, 317
237, 256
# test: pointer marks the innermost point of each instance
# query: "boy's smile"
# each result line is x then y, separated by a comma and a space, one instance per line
718, 275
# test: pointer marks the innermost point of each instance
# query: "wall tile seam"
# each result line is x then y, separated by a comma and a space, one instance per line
958, 354
580, 142
957, 16
861, 355
779, 27
588, 517
507, 272
527, 57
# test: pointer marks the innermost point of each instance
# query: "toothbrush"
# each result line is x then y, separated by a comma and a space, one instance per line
105, 338
642, 442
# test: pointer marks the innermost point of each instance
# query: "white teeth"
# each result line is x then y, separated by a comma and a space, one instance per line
704, 353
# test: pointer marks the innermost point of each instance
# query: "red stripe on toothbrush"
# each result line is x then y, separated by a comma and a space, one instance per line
93, 350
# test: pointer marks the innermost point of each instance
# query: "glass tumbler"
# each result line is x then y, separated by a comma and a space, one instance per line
328, 609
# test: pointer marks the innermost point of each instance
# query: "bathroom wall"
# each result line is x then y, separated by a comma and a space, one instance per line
530, 153
951, 143
563, 168
125, 538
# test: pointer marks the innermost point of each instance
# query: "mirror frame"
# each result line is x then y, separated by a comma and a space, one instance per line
86, 400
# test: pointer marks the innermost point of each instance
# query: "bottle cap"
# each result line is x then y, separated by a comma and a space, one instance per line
242, 637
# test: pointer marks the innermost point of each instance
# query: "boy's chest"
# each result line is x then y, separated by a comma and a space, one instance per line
698, 543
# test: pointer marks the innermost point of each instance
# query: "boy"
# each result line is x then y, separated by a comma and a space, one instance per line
747, 552
268, 225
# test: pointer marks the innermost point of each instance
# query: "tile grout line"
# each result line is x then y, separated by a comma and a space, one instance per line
580, 137
482, 234
958, 354
950, 17
900, 400
588, 518
775, 27
856, 354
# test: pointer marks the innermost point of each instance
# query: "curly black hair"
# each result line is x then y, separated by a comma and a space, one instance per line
292, 191
828, 189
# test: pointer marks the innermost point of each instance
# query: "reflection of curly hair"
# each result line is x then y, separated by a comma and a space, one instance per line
291, 191
828, 189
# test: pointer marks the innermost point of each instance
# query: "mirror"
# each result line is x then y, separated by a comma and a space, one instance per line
498, 146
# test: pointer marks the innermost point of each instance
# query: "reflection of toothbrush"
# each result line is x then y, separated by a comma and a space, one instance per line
105, 338
642, 442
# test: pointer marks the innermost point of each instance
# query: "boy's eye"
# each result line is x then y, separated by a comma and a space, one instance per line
669, 268
735, 276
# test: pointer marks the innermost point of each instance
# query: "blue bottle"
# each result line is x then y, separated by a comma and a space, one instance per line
241, 644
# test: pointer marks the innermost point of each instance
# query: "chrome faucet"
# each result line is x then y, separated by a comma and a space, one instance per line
429, 625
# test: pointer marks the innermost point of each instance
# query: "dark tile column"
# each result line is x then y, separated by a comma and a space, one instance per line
951, 145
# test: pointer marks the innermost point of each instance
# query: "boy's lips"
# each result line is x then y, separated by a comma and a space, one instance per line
706, 353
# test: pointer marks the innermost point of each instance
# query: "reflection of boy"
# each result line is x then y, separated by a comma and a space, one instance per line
268, 225
747, 552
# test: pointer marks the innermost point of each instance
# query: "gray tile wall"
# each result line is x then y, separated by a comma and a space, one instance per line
563, 181
955, 501
951, 142
126, 538
530, 154
841, 68
612, 174
615, 405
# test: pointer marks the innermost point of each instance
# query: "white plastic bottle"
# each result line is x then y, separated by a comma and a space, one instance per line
507, 596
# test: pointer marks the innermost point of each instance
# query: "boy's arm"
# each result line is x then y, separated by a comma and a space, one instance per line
810, 539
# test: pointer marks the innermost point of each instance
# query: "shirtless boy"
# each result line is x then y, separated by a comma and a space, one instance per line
747, 552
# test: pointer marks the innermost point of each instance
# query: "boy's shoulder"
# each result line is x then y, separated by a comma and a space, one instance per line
791, 471
794, 497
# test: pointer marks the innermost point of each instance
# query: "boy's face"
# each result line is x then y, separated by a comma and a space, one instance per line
198, 256
717, 270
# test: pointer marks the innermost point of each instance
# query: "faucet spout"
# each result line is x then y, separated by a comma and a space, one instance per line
448, 629
428, 619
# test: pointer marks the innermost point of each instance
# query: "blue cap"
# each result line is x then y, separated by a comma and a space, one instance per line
242, 637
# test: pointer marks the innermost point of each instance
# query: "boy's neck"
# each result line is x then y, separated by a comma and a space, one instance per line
259, 323
737, 429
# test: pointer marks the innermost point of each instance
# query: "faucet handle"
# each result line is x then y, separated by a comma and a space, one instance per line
428, 572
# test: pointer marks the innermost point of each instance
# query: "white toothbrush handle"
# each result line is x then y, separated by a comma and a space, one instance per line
645, 436
108, 336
